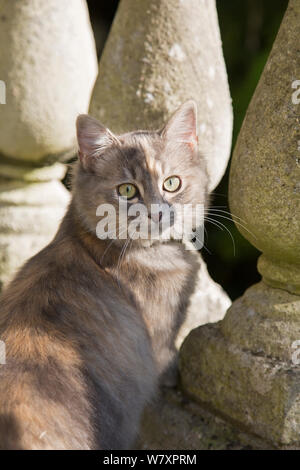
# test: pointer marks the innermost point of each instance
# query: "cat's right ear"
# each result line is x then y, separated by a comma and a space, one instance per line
182, 127
93, 139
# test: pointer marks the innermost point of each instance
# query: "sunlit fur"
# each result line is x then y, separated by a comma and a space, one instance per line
89, 325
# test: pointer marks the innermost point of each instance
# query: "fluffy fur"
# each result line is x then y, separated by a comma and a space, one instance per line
89, 326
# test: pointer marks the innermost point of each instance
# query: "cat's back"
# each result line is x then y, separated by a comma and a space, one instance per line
74, 350
60, 285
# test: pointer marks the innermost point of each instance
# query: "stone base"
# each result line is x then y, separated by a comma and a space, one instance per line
226, 367
30, 213
176, 423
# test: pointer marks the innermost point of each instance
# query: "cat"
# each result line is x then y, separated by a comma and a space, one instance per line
89, 323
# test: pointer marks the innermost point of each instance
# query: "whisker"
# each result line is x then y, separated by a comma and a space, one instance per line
218, 194
206, 234
122, 255
106, 250
110, 244
215, 209
203, 245
233, 220
120, 260
214, 222
221, 226
206, 249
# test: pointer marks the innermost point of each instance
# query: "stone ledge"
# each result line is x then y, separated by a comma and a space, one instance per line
175, 422
260, 394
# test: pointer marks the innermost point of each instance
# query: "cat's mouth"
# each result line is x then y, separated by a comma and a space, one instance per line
146, 230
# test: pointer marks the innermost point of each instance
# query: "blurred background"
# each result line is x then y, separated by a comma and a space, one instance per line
248, 29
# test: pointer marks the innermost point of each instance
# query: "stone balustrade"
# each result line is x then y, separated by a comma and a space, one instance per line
160, 53
247, 367
47, 69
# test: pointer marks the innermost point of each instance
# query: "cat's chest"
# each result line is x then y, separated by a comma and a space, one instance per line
161, 281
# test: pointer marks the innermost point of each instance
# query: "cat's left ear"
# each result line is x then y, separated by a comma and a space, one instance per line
93, 139
182, 127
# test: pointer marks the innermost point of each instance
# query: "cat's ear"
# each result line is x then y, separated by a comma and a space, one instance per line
93, 139
182, 127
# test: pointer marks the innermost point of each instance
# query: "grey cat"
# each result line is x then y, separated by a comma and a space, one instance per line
89, 324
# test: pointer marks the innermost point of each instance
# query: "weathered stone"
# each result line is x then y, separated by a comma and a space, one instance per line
264, 320
264, 184
246, 367
242, 367
160, 53
30, 212
176, 423
48, 64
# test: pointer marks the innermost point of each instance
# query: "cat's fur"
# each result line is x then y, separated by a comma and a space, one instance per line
87, 332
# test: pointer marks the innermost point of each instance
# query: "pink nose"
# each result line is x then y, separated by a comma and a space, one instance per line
155, 217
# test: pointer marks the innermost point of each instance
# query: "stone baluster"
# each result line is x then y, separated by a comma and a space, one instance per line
160, 53
48, 68
246, 368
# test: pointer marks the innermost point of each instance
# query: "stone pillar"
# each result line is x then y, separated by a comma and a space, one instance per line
48, 65
160, 53
246, 368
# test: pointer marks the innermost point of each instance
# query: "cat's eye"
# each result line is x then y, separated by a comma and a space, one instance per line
172, 184
127, 190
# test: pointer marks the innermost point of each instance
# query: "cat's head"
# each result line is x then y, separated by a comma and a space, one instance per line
144, 185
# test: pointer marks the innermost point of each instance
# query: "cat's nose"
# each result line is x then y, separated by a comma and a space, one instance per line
156, 217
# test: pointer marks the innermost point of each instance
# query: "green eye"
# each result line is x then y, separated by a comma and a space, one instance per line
172, 184
127, 190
